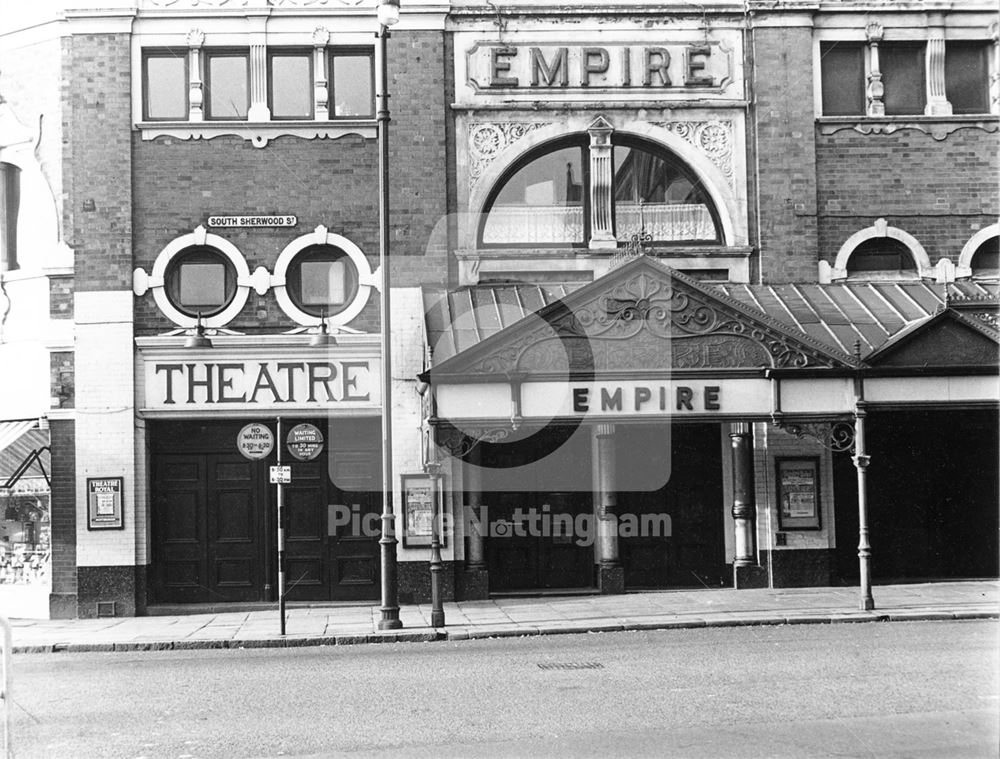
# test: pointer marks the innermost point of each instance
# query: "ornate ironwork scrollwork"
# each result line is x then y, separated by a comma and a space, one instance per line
461, 442
835, 436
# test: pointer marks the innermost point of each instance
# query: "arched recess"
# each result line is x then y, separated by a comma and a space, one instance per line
964, 267
881, 228
732, 218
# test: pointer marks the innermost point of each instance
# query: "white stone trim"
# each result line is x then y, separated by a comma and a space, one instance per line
320, 236
156, 281
879, 229
731, 218
964, 267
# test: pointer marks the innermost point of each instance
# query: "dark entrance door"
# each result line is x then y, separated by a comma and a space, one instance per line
214, 517
331, 540
208, 527
689, 492
932, 497
538, 528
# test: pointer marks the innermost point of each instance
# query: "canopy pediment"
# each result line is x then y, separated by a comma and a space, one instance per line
641, 317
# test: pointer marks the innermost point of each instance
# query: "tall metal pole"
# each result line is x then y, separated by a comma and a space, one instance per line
436, 567
387, 543
861, 461
281, 538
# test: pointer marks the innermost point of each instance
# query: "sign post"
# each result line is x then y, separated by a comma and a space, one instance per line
281, 537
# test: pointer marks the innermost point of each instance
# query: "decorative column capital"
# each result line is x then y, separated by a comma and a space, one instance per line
195, 38
321, 36
604, 429
874, 32
740, 429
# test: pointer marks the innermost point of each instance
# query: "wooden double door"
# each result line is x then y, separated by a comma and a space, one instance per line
215, 525
687, 459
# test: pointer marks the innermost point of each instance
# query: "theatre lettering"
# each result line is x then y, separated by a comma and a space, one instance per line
598, 66
256, 383
645, 398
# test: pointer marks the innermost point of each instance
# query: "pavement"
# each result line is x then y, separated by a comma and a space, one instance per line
511, 617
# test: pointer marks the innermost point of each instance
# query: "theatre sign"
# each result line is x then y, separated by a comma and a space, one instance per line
233, 382
677, 65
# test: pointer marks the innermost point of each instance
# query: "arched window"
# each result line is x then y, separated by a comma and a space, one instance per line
986, 259
10, 203
881, 258
545, 199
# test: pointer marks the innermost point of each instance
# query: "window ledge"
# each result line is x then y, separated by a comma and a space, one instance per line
938, 127
259, 133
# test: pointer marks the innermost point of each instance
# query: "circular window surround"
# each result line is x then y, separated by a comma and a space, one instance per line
879, 229
156, 280
964, 266
320, 236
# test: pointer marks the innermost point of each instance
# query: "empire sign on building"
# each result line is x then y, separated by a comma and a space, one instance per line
679, 297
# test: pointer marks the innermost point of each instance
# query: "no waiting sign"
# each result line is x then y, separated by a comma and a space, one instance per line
255, 441
304, 442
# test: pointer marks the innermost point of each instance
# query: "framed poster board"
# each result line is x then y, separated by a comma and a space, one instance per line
419, 492
798, 493
104, 504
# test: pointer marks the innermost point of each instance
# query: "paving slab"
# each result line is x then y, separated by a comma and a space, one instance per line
511, 617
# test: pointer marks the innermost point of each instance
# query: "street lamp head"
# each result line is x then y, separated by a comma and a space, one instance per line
388, 12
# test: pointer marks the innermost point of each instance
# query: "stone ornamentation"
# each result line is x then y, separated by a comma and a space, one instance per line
712, 138
488, 140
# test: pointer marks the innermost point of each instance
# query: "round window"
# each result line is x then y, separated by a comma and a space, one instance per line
200, 281
322, 280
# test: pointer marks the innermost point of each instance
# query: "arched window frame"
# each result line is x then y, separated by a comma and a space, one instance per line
880, 229
965, 258
598, 189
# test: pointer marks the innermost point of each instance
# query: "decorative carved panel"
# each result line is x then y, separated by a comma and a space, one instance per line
712, 138
489, 140
644, 317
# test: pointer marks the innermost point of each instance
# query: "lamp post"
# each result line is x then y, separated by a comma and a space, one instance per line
388, 14
433, 468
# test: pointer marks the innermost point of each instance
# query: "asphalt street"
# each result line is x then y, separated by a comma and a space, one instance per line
913, 689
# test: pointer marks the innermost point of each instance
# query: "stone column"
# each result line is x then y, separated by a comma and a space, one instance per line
746, 572
601, 185
937, 98
475, 579
875, 89
610, 573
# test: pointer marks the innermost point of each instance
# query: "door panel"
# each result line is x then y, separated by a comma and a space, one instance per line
208, 526
693, 554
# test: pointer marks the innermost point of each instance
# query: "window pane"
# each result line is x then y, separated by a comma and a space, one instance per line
352, 85
202, 286
881, 255
291, 87
10, 202
166, 87
902, 69
227, 86
843, 65
324, 283
966, 77
658, 197
541, 203
986, 259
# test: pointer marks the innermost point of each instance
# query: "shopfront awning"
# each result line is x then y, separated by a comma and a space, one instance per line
11, 431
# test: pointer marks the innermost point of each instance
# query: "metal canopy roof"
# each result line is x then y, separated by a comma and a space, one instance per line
837, 315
